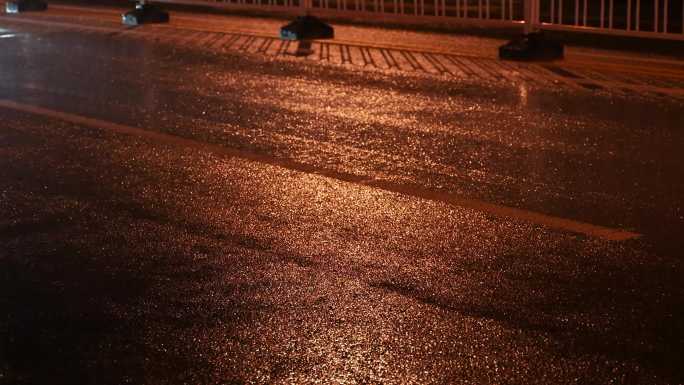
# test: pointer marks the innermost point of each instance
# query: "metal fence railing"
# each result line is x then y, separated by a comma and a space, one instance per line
642, 18
492, 10
505, 13
639, 18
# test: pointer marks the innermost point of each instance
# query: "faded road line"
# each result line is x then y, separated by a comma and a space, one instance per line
500, 211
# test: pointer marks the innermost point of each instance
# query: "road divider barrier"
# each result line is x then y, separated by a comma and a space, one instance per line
661, 19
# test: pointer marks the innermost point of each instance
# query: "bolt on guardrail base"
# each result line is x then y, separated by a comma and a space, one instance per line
145, 13
16, 6
531, 46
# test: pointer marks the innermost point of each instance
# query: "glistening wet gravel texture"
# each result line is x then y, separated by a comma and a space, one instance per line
126, 260
560, 153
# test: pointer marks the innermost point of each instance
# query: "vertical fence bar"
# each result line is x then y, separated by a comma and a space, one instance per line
610, 14
487, 9
584, 14
560, 11
638, 15
629, 15
576, 12
553, 11
603, 12
533, 8
665, 14
479, 9
655, 16
510, 9
443, 4
503, 9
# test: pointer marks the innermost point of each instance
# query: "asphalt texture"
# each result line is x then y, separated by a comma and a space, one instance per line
175, 210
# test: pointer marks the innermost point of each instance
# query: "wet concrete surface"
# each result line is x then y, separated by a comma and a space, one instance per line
316, 247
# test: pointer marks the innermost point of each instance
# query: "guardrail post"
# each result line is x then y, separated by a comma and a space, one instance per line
531, 10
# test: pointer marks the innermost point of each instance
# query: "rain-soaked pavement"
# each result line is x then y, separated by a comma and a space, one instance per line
192, 204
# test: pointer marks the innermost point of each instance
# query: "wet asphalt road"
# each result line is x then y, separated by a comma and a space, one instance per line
170, 214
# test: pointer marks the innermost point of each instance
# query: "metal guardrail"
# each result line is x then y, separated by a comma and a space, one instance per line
503, 13
638, 18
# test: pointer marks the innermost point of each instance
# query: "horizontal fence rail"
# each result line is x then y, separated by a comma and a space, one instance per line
638, 18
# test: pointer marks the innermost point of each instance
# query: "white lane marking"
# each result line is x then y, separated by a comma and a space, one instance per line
500, 211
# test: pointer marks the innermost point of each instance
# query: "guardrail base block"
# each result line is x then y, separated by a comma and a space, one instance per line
17, 6
306, 28
145, 13
533, 46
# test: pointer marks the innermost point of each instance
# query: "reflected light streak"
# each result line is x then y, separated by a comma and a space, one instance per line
522, 92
